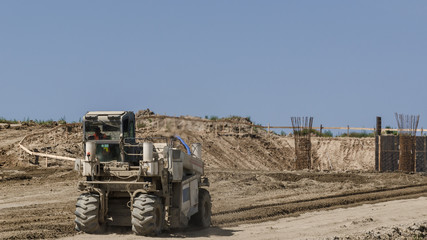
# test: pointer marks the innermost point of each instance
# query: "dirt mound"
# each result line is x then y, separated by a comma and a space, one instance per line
343, 153
146, 112
413, 231
241, 146
230, 144
63, 140
237, 119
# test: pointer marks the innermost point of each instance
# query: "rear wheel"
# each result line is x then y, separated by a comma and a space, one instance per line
87, 212
147, 215
203, 217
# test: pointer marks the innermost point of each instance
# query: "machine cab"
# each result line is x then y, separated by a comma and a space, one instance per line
103, 131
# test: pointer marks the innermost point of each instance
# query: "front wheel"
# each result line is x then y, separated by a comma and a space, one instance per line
87, 212
147, 215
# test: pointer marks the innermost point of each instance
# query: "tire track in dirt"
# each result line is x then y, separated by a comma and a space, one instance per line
264, 212
37, 221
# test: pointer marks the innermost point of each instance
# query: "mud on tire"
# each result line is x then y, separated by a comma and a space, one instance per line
87, 211
147, 215
203, 217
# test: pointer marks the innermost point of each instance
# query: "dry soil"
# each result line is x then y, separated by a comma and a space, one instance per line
254, 191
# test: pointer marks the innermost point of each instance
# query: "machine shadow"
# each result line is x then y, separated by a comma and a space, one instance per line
194, 232
190, 232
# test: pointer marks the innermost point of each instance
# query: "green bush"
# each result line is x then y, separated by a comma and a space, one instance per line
237, 118
37, 121
362, 134
316, 133
390, 132
44, 122
4, 120
62, 120
230, 118
327, 133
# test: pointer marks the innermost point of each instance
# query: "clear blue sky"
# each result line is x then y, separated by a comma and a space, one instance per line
342, 62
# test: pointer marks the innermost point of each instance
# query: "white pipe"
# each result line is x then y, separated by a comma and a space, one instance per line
46, 155
147, 151
196, 148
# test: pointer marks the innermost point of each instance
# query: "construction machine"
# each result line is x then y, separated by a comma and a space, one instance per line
151, 184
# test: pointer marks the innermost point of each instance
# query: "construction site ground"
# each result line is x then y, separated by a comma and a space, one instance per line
255, 194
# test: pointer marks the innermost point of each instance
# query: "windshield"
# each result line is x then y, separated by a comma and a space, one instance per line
108, 152
101, 130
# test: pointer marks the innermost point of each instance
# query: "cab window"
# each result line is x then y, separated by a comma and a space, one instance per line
132, 130
126, 128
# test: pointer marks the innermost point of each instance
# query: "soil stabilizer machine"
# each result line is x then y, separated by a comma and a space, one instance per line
150, 185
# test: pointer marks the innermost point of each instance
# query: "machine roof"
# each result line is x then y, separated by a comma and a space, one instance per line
106, 113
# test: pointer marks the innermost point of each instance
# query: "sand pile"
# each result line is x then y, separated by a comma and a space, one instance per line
226, 144
240, 146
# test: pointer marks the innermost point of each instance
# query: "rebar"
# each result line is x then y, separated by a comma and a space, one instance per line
302, 127
407, 125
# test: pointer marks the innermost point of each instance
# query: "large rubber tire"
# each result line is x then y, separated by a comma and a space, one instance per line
147, 215
203, 217
87, 211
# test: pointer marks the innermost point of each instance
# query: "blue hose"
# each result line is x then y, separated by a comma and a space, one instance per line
183, 143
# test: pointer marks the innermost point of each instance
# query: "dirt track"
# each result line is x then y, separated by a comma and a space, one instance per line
36, 202
39, 203
369, 221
